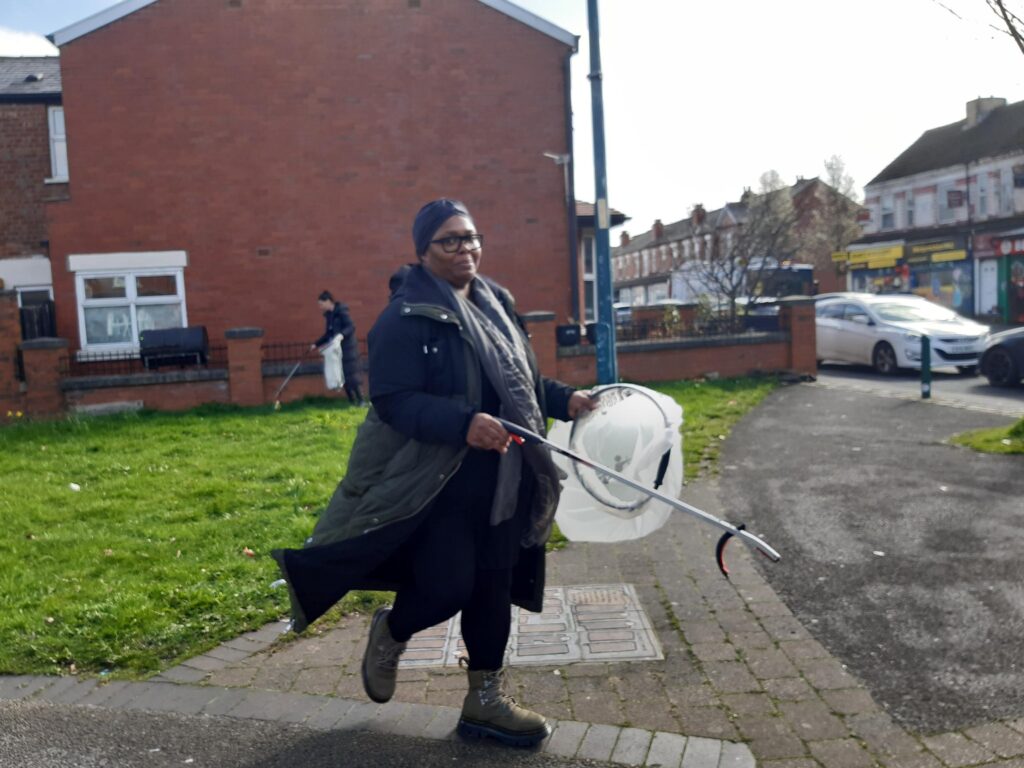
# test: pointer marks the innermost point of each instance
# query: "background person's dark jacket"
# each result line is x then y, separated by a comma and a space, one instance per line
338, 321
425, 388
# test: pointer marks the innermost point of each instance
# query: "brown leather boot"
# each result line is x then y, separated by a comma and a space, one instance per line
380, 661
489, 711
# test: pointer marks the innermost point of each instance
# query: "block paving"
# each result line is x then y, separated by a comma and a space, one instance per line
648, 657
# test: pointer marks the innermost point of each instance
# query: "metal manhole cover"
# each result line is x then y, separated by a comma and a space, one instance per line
591, 622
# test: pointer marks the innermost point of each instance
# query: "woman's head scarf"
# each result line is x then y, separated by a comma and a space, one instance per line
431, 217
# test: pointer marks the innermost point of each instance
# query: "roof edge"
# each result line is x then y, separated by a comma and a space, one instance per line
532, 20
97, 20
122, 9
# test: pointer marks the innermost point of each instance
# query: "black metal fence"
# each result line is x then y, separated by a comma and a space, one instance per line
650, 330
127, 363
289, 352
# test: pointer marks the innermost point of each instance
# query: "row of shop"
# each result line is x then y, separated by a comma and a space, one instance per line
980, 276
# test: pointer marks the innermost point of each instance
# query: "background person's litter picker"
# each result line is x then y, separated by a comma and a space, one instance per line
610, 499
277, 395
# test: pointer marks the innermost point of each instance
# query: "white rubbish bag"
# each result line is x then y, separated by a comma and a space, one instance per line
334, 374
634, 431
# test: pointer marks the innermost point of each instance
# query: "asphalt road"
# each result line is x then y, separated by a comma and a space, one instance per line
902, 553
41, 735
947, 384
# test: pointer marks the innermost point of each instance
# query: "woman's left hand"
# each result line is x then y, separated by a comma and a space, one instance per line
581, 402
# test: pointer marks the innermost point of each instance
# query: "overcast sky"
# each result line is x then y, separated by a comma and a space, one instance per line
702, 97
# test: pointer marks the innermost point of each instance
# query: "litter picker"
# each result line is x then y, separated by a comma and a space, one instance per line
277, 402
522, 435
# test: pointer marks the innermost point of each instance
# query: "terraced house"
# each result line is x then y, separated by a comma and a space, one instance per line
945, 219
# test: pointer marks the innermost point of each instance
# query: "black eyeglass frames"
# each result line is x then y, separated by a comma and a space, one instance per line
452, 243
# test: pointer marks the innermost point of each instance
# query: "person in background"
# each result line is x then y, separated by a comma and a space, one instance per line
438, 505
338, 323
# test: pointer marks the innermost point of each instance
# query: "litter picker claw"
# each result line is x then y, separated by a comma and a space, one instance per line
522, 435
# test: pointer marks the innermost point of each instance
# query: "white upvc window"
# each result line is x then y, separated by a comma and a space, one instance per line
115, 307
120, 295
31, 295
58, 145
589, 279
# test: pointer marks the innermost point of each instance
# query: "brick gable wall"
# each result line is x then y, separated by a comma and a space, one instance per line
24, 164
286, 146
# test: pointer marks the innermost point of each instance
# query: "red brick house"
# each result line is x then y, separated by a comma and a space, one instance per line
33, 167
229, 160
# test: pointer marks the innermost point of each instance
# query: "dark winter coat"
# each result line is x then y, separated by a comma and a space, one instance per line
337, 321
425, 387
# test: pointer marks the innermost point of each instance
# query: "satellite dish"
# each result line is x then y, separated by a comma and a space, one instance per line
634, 431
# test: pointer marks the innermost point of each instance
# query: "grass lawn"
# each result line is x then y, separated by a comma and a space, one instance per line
133, 542
998, 440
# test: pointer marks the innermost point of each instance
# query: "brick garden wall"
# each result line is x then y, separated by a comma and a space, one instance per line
287, 146
248, 380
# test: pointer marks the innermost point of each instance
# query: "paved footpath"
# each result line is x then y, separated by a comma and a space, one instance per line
741, 682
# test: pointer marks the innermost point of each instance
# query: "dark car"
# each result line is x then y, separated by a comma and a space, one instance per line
1003, 359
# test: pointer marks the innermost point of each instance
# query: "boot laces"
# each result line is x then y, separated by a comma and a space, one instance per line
388, 652
492, 692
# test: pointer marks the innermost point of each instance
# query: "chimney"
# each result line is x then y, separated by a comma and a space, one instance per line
659, 230
697, 214
623, 238
978, 109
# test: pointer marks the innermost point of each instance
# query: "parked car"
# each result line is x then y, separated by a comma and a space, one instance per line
1003, 361
885, 331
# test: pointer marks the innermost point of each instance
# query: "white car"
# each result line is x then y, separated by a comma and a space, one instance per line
885, 331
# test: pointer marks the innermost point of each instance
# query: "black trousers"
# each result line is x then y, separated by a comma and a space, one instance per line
451, 572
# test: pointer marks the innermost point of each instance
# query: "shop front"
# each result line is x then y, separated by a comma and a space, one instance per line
1010, 247
937, 270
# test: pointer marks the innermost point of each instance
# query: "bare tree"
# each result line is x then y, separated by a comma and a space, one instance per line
828, 223
1011, 19
748, 241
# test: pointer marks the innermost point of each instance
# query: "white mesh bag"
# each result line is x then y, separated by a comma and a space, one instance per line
634, 431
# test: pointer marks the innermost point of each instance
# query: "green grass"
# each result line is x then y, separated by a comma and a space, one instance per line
710, 408
999, 440
162, 553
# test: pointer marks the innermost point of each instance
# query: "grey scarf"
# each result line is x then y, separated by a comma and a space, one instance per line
503, 356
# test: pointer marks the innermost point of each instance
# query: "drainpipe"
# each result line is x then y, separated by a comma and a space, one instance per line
570, 194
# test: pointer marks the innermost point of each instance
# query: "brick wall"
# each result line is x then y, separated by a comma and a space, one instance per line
11, 398
24, 165
287, 146
171, 396
671, 360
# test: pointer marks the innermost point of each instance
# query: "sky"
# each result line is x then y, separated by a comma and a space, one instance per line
701, 98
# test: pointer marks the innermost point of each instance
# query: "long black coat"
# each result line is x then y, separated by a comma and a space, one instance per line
425, 388
337, 321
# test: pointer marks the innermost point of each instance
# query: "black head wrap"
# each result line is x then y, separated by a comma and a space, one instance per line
431, 217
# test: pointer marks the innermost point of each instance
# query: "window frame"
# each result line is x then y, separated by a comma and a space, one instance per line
19, 289
131, 299
589, 277
58, 145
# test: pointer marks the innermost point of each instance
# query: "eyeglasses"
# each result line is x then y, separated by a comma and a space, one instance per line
453, 243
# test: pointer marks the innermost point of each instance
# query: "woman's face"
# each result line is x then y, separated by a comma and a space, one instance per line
458, 268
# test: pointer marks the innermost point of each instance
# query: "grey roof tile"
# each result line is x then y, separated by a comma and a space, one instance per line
29, 77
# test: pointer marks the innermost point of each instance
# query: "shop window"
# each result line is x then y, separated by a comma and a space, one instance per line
1018, 177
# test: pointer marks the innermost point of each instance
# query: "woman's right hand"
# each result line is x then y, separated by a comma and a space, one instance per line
486, 434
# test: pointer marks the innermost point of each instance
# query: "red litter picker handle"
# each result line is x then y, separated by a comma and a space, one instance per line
522, 435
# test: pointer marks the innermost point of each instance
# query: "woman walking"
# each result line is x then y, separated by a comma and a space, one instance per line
437, 504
